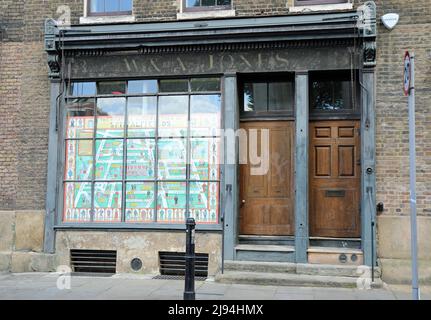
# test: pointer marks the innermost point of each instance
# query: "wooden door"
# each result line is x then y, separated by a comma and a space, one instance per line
335, 179
266, 201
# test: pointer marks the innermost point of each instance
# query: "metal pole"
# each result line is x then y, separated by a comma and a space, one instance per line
189, 291
413, 216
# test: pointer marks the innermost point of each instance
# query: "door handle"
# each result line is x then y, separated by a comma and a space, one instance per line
242, 203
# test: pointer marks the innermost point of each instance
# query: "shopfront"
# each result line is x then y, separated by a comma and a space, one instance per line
149, 123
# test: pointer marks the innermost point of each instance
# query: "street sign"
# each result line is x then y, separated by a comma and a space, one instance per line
407, 73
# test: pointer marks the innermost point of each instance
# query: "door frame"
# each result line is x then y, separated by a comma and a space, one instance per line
230, 211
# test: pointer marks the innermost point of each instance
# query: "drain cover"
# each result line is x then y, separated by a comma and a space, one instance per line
168, 277
136, 264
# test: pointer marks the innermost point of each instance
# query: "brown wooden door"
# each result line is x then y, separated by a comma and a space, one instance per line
266, 201
335, 179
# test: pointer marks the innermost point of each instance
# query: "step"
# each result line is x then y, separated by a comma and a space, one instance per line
286, 279
266, 240
271, 253
293, 268
333, 255
257, 266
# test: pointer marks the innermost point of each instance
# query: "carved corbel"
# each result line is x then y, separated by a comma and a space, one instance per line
51, 48
369, 54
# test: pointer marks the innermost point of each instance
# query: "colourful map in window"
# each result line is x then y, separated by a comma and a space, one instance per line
140, 195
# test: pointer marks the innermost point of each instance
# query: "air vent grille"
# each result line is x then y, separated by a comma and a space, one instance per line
93, 261
174, 264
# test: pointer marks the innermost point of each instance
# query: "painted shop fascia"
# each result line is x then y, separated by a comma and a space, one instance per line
223, 48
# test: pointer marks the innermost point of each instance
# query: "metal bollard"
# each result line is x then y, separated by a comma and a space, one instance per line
189, 291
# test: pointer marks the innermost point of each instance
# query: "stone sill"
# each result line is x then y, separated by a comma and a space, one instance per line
323, 7
206, 14
106, 19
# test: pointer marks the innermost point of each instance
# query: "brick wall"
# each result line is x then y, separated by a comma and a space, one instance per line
24, 96
412, 33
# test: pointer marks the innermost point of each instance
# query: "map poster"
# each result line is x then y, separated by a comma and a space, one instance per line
145, 199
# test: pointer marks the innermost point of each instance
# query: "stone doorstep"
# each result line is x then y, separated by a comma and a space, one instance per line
264, 248
294, 280
293, 268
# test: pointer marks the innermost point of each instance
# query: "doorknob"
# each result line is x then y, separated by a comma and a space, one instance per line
242, 202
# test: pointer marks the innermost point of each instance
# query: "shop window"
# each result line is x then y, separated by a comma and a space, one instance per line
332, 92
267, 98
150, 155
109, 7
198, 5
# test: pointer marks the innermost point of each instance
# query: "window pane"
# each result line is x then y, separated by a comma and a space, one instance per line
204, 202
172, 159
97, 5
126, 5
205, 84
223, 2
280, 96
107, 202
331, 91
171, 202
141, 157
112, 87
205, 159
174, 85
173, 116
205, 115
255, 97
207, 3
109, 159
83, 89
110, 117
140, 202
193, 3
142, 116
112, 5
77, 202
142, 86
80, 118
79, 160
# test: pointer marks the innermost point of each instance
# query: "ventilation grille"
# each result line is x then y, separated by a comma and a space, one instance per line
174, 264
93, 261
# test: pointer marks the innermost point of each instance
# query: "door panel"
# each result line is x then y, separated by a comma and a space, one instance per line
267, 200
335, 179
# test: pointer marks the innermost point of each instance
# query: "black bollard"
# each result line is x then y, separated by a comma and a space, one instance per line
189, 291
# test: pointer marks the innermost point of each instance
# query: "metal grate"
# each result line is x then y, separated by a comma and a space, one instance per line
93, 261
174, 264
165, 277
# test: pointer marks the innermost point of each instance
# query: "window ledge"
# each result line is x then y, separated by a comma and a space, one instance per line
322, 7
106, 19
205, 14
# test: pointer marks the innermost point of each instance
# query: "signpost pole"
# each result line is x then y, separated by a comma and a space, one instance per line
413, 215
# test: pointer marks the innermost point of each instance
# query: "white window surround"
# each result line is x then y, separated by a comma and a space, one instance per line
321, 7
104, 19
184, 15
205, 14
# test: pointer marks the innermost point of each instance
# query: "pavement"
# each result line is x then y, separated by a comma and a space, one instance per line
44, 286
